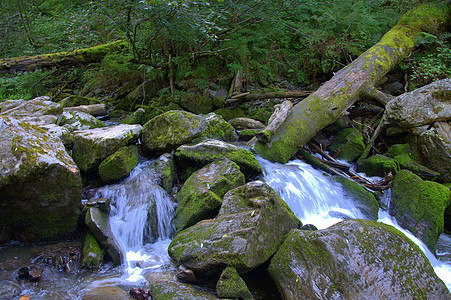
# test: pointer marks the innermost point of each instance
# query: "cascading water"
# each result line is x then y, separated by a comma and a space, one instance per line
316, 200
311, 196
141, 212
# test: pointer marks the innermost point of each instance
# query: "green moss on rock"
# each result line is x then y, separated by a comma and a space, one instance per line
92, 254
349, 142
231, 285
119, 164
378, 165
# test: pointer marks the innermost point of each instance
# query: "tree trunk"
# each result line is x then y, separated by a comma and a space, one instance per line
333, 98
76, 57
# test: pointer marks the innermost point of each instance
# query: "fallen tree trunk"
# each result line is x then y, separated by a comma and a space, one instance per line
75, 57
258, 96
333, 98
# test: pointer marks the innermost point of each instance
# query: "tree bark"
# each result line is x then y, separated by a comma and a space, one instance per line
42, 61
333, 98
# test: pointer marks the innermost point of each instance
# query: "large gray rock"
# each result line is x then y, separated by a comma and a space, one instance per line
93, 109
77, 120
119, 164
98, 224
40, 185
434, 144
217, 128
252, 223
201, 195
419, 206
211, 150
231, 285
170, 130
92, 146
354, 259
66, 137
422, 106
33, 108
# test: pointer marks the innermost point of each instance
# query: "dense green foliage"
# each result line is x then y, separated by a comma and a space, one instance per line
284, 42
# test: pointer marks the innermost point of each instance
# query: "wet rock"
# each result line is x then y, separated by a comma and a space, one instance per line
365, 201
31, 273
92, 146
354, 259
309, 227
104, 204
250, 226
95, 110
139, 293
40, 185
170, 130
247, 134
201, 195
211, 150
165, 171
231, 285
246, 123
63, 256
33, 108
105, 293
349, 142
9, 289
186, 275
422, 106
119, 164
197, 104
92, 253
217, 128
164, 286
419, 206
76, 120
99, 226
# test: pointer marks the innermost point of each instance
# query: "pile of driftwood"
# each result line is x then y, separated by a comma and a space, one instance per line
332, 166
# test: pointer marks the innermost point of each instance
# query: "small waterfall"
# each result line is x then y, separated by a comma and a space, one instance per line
312, 197
141, 213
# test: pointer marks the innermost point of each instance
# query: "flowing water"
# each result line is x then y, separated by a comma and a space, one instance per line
140, 220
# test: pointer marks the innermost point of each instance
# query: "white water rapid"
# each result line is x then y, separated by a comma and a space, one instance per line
140, 220
317, 200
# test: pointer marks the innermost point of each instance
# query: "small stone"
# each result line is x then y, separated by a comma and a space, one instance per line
31, 273
186, 275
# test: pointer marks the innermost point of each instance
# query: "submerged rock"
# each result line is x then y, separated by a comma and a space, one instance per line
250, 226
92, 146
354, 259
419, 206
201, 195
40, 185
211, 150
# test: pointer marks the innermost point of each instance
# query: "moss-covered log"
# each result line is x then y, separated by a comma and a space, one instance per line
333, 98
75, 57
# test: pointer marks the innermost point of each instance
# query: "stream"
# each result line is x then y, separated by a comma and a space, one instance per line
310, 194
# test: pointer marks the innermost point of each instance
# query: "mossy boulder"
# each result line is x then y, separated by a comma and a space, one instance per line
119, 164
195, 103
407, 163
349, 142
252, 223
211, 150
140, 94
201, 195
92, 253
75, 120
354, 259
162, 286
138, 117
231, 285
217, 128
419, 206
170, 130
98, 224
230, 113
247, 134
40, 185
75, 100
378, 165
165, 171
403, 149
364, 200
92, 146
65, 136
10, 104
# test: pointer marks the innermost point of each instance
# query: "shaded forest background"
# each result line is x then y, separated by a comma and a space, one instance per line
201, 45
